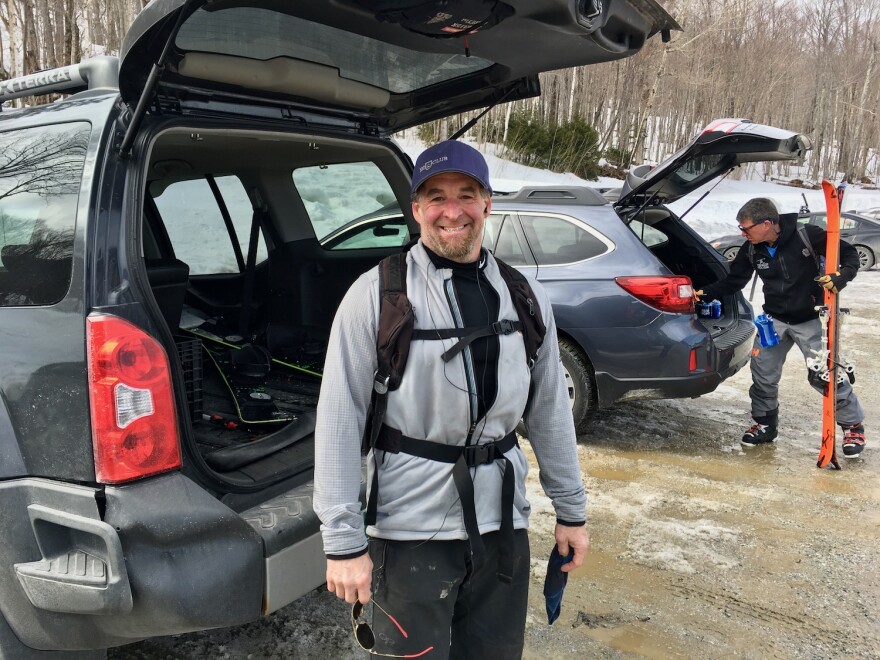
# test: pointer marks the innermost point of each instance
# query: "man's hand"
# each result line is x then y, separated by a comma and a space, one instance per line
834, 282
699, 293
350, 579
572, 538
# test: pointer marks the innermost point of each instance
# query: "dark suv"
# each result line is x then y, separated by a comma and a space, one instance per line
165, 293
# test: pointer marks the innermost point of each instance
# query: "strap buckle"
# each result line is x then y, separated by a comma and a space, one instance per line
475, 455
380, 383
503, 327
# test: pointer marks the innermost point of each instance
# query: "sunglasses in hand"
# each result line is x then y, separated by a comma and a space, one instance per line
364, 634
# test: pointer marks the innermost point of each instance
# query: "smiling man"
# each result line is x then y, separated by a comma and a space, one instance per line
448, 554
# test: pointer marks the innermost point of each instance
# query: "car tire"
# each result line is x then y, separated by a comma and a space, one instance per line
580, 380
731, 252
866, 257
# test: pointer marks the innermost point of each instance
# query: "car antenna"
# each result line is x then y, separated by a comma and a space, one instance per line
703, 196
146, 97
464, 129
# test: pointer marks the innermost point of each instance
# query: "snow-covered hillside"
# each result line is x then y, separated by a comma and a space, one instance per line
715, 216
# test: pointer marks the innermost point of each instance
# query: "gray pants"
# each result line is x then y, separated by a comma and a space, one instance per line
767, 364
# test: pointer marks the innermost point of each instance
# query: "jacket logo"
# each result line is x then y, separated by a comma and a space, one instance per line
761, 264
427, 166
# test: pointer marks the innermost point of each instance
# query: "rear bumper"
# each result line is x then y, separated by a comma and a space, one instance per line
164, 558
613, 389
717, 361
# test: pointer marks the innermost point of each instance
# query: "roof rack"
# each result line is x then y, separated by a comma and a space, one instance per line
560, 194
94, 73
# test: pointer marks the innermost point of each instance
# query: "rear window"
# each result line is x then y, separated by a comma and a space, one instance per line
242, 31
500, 233
192, 212
40, 177
351, 206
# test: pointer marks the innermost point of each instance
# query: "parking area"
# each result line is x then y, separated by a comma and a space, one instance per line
699, 549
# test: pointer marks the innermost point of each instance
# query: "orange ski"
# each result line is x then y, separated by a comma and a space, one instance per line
830, 315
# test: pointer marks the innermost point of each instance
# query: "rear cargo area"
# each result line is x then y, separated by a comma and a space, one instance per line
248, 241
683, 252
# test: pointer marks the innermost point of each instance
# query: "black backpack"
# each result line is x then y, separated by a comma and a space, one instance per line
396, 331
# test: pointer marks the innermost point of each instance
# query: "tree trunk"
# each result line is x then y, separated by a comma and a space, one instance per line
12, 26
639, 154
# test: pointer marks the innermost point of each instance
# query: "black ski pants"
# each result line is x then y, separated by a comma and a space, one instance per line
433, 591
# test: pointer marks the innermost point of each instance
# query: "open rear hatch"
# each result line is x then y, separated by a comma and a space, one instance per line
341, 68
720, 147
370, 61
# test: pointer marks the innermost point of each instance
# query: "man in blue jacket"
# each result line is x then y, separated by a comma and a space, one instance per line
787, 263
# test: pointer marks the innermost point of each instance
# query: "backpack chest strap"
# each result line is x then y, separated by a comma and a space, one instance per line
467, 335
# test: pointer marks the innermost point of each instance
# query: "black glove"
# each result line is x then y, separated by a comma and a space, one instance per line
834, 282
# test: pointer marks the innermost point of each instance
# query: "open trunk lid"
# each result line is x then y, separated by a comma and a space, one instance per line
721, 146
370, 61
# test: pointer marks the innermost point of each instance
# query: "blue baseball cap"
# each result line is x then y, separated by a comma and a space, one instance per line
450, 156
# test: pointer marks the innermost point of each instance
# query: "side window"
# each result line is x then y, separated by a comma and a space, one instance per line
351, 206
648, 235
192, 217
819, 220
40, 177
499, 232
848, 223
557, 240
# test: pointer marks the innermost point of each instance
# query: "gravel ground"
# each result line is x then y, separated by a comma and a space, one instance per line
699, 549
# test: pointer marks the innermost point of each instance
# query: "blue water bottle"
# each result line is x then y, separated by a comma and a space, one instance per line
766, 332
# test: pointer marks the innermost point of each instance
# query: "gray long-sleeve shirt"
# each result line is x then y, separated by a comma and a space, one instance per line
417, 497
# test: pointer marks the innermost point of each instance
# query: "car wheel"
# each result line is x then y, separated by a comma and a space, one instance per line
731, 252
580, 381
866, 257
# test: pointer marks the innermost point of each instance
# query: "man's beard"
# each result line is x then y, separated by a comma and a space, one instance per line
454, 250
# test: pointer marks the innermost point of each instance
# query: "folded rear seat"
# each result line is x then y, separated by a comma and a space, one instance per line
168, 280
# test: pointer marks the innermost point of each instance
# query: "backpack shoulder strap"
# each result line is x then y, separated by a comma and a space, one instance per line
396, 322
802, 232
527, 309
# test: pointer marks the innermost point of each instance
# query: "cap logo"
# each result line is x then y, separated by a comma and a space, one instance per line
429, 164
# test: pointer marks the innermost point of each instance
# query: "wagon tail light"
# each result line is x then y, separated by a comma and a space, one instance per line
134, 424
668, 294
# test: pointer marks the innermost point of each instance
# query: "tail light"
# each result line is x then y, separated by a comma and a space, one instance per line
668, 294
134, 424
